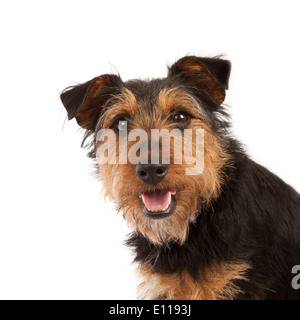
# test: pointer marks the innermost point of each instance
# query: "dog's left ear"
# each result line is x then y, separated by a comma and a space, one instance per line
85, 101
208, 74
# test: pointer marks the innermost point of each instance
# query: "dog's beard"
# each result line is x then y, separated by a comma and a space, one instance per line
162, 230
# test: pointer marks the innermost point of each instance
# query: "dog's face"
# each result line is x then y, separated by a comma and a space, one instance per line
157, 198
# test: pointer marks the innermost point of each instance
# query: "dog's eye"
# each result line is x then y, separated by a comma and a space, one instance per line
120, 125
180, 118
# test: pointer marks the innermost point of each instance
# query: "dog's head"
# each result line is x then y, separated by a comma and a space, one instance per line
159, 143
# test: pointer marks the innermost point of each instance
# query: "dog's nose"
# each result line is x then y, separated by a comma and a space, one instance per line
151, 173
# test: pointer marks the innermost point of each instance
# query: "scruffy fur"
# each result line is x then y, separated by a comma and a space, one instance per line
245, 238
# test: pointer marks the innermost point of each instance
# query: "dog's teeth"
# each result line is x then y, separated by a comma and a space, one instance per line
169, 198
164, 209
167, 207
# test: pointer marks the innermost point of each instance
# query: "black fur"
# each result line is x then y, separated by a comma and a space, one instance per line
219, 69
72, 98
255, 219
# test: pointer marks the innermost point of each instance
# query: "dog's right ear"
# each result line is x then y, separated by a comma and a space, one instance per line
85, 101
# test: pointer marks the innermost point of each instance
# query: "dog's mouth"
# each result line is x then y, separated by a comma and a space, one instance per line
158, 204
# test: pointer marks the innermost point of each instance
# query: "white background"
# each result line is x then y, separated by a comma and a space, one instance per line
58, 239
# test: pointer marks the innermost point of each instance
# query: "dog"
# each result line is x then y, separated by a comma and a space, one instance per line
230, 231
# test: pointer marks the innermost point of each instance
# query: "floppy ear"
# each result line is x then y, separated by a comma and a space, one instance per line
208, 74
85, 101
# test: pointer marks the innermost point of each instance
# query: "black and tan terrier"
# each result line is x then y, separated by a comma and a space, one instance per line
230, 232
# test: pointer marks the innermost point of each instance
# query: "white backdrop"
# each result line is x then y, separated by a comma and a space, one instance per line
58, 238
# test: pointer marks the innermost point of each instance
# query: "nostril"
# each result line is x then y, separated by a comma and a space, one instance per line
142, 173
160, 172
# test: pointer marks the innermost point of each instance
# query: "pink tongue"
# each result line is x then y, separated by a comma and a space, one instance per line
156, 201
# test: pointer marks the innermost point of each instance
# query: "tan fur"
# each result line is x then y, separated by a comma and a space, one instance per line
122, 185
216, 284
123, 104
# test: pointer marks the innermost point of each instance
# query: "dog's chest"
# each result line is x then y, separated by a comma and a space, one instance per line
216, 284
